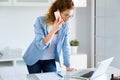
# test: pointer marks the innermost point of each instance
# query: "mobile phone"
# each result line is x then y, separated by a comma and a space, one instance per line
57, 15
1, 54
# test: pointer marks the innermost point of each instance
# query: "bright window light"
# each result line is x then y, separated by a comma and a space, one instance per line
80, 3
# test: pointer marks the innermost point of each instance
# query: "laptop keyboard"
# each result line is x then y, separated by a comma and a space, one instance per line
87, 75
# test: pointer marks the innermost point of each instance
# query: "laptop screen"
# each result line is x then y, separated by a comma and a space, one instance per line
102, 67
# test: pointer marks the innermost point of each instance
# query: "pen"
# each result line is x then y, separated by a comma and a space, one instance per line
59, 75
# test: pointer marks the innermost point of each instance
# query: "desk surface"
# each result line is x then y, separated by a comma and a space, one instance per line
10, 76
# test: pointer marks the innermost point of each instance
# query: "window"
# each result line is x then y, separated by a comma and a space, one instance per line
80, 3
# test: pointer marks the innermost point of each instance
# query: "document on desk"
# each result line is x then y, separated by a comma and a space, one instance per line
49, 76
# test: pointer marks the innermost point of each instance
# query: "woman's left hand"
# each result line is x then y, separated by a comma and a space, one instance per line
70, 69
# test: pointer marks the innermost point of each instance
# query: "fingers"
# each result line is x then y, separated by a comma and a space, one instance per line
71, 69
59, 21
57, 24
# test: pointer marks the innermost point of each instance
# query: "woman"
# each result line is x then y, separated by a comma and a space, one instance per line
51, 36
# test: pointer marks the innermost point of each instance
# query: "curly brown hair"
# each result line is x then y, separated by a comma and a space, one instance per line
60, 5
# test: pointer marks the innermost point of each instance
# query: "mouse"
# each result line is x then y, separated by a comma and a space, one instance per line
1, 54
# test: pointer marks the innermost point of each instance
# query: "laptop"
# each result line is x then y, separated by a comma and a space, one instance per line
88, 74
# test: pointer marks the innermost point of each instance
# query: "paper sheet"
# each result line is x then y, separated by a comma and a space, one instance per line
102, 77
48, 76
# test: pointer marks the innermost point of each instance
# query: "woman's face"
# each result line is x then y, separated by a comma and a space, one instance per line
67, 14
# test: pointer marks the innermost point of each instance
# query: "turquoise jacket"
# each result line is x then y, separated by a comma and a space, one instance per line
37, 48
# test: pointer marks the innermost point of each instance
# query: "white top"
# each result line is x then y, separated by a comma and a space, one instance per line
50, 53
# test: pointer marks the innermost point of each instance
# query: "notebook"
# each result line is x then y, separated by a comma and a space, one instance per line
92, 74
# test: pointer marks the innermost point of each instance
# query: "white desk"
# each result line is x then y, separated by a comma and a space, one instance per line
66, 75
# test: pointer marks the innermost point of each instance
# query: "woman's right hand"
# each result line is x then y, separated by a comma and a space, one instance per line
57, 24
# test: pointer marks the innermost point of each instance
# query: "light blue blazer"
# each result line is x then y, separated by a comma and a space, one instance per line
37, 48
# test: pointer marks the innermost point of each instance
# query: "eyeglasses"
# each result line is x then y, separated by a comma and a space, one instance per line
68, 16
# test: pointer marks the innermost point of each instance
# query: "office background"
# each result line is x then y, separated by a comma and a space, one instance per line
16, 28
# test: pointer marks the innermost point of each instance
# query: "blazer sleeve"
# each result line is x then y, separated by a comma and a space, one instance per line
39, 34
66, 48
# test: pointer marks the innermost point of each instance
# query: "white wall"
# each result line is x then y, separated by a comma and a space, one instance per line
83, 28
16, 26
